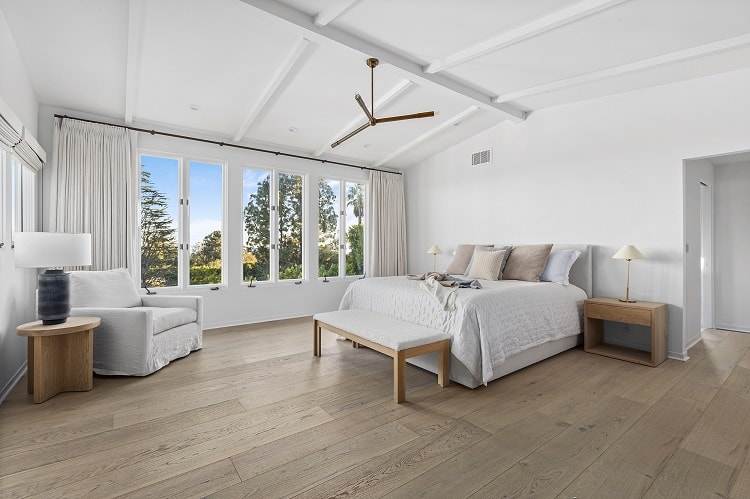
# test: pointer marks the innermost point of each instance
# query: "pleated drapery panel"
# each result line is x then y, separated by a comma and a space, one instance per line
96, 190
388, 224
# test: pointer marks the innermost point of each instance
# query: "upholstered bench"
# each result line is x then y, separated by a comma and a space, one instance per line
398, 339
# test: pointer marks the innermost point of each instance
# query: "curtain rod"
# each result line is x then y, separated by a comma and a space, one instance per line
222, 144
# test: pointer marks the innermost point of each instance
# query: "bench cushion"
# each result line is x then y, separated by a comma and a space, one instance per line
386, 331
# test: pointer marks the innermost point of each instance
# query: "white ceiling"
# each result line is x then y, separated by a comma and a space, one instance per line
258, 68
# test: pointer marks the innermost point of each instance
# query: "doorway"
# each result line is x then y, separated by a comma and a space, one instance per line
706, 257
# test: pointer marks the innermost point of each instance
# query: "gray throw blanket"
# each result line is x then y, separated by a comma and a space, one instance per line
446, 280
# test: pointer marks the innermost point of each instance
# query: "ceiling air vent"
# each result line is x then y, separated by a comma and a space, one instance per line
481, 157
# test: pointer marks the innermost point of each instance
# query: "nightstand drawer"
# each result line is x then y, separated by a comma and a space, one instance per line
628, 315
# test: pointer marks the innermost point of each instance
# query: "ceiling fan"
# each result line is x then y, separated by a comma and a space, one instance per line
371, 119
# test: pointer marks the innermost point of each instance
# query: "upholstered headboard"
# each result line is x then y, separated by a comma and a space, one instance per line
581, 274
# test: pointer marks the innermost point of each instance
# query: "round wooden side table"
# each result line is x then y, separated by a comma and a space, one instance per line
61, 356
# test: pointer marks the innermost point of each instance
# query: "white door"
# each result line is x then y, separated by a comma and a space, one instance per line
707, 231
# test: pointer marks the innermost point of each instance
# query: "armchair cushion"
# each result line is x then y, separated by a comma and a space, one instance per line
103, 288
167, 318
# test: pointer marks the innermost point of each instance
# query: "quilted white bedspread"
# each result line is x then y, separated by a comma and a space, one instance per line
488, 325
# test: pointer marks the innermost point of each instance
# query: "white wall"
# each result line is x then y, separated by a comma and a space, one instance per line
696, 171
16, 285
732, 232
236, 303
606, 172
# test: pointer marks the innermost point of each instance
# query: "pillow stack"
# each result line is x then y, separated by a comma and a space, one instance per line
533, 262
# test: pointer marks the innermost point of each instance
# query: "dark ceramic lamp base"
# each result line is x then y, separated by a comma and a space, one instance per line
54, 297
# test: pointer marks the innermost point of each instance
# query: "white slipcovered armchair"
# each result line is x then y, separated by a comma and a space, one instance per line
139, 334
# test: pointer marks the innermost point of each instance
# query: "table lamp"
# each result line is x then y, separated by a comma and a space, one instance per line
628, 252
52, 251
434, 251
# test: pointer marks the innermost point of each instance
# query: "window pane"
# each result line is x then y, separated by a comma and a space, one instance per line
328, 227
206, 209
159, 205
28, 198
290, 226
256, 197
355, 229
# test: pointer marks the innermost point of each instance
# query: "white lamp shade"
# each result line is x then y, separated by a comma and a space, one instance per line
628, 252
434, 250
51, 249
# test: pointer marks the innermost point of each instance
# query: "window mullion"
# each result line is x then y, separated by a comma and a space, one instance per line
184, 224
342, 228
274, 226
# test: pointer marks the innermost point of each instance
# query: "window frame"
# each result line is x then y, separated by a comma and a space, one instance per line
183, 215
342, 228
23, 180
273, 197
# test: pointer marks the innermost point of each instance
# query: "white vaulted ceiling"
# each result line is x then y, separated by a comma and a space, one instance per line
258, 68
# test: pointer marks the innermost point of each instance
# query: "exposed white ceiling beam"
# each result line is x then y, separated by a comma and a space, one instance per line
132, 69
547, 23
433, 131
412, 70
333, 11
273, 86
661, 60
381, 103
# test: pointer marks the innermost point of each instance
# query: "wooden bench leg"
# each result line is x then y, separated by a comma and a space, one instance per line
444, 367
399, 376
316, 339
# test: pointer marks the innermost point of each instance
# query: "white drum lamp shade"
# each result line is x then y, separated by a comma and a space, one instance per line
628, 252
52, 251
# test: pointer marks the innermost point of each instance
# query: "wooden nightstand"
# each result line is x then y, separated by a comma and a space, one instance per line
60, 356
643, 313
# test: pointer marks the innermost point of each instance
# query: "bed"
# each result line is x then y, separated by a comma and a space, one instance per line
503, 327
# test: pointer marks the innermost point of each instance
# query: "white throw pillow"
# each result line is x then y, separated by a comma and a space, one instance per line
103, 288
558, 266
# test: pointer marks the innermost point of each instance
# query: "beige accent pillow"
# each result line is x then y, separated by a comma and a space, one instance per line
461, 259
486, 265
526, 263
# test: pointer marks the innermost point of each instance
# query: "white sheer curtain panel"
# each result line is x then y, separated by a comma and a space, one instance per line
95, 189
388, 224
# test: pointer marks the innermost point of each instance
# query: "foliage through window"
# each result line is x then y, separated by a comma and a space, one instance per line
165, 221
341, 217
273, 225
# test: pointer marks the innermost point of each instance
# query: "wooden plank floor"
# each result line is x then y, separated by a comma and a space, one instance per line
254, 414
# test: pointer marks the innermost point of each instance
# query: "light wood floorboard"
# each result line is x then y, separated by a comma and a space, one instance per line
254, 414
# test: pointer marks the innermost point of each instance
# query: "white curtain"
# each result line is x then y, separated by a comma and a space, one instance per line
388, 224
95, 189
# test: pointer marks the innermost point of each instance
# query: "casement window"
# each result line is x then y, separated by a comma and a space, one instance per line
273, 225
23, 196
182, 221
341, 228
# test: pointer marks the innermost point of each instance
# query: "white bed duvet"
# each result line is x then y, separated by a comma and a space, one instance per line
488, 325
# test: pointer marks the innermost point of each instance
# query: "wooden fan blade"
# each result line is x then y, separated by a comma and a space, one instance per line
361, 103
349, 135
405, 117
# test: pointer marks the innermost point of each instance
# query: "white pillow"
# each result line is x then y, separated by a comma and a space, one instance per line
103, 288
558, 266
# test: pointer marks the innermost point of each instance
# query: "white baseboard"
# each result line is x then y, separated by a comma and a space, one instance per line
733, 327
13, 381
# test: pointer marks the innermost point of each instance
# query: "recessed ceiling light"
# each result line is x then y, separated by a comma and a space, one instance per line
194, 107
292, 129
366, 146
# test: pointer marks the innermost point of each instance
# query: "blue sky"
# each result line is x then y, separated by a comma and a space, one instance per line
205, 193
